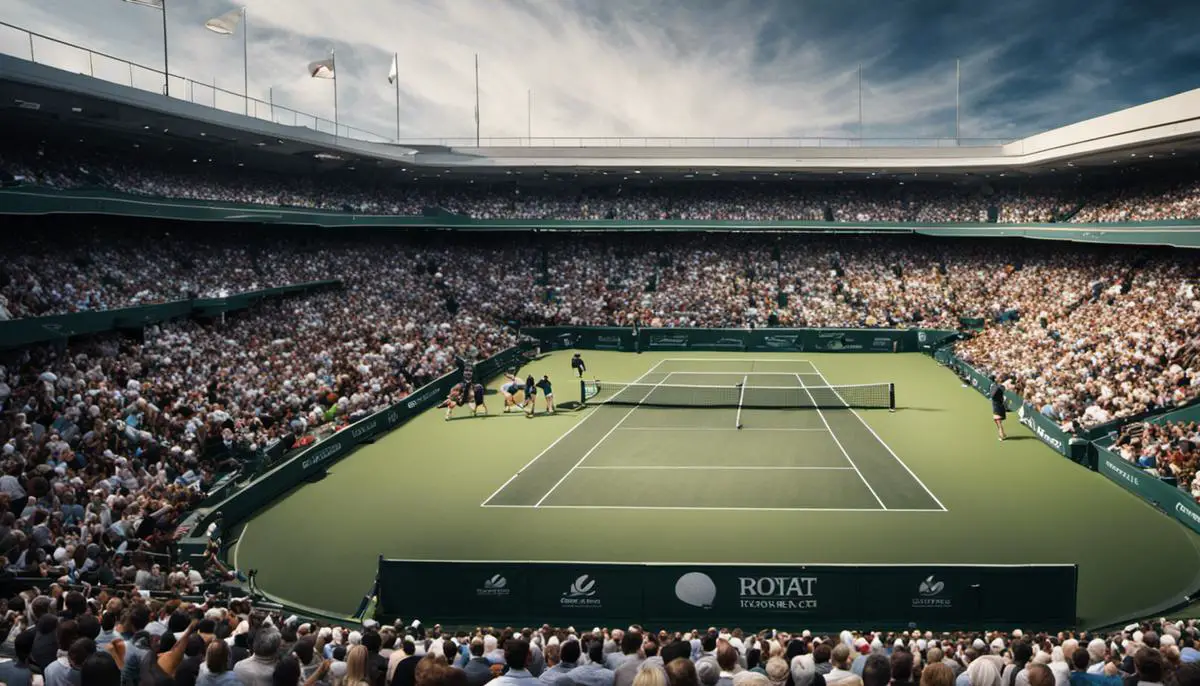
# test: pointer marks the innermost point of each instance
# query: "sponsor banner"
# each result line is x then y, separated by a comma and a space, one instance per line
1179, 504
668, 341
709, 595
608, 342
584, 337
780, 342
1044, 428
764, 340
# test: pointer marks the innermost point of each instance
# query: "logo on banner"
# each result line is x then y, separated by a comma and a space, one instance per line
696, 589
672, 340
360, 431
493, 587
780, 341
1028, 420
581, 594
608, 342
321, 455
422, 398
393, 417
929, 590
1187, 512
777, 592
1112, 466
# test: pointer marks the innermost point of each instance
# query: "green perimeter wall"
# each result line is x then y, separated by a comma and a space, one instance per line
16, 333
1167, 498
31, 200
687, 596
738, 340
241, 503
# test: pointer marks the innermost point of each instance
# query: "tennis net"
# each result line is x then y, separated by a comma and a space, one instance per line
878, 395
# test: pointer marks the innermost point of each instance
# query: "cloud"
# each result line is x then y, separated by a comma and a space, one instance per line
649, 68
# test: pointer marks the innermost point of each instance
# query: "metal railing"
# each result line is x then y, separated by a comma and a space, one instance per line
60, 54
52, 52
706, 142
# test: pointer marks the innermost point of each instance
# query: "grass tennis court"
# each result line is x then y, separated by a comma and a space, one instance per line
781, 459
928, 483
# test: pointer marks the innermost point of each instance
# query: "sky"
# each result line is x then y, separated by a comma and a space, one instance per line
648, 68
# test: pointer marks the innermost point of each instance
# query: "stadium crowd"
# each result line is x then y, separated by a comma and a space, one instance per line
710, 198
1077, 331
1167, 449
102, 638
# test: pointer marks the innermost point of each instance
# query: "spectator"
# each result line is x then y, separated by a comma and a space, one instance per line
877, 671
681, 672
517, 657
18, 672
937, 674
97, 669
259, 669
479, 671
594, 673
216, 670
841, 675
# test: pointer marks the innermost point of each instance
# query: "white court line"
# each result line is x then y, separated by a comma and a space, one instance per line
701, 509
556, 441
617, 468
605, 436
885, 445
737, 421
839, 443
736, 359
787, 374
713, 428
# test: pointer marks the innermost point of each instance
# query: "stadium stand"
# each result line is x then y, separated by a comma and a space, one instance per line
109, 441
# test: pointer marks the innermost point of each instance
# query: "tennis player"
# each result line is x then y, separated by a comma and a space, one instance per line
530, 395
476, 403
509, 388
453, 400
999, 411
548, 392
578, 365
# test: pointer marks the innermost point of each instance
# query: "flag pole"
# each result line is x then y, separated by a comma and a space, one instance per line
333, 63
245, 62
477, 100
860, 108
396, 61
166, 62
957, 99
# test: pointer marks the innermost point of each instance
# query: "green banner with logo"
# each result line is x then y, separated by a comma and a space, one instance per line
684, 596
1170, 499
1043, 427
738, 340
622, 339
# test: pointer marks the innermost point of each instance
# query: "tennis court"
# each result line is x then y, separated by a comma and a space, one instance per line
671, 440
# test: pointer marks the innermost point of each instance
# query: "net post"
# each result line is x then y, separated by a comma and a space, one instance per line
891, 397
582, 392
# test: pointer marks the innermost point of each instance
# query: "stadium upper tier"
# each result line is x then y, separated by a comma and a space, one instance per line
1166, 192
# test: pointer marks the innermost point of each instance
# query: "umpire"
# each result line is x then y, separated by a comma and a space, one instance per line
578, 365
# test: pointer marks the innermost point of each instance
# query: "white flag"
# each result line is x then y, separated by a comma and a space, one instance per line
394, 72
225, 24
156, 4
321, 69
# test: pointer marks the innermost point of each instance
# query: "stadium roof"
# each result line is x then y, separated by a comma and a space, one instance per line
53, 102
